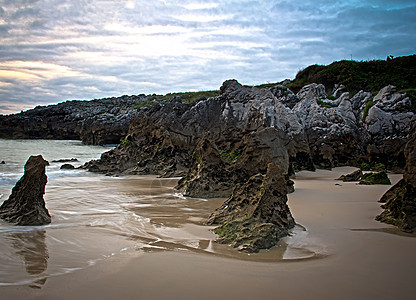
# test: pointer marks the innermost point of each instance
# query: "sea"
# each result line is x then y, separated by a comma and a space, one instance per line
96, 217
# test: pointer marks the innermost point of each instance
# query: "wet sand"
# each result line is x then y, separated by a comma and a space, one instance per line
358, 257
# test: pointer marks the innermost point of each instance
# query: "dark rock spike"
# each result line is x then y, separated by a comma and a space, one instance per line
26, 206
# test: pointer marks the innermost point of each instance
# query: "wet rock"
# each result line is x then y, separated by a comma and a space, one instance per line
2, 162
26, 205
374, 178
64, 160
256, 215
400, 200
354, 176
208, 176
67, 167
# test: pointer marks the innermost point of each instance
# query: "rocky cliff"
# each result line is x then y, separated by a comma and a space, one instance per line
306, 130
400, 200
223, 145
102, 121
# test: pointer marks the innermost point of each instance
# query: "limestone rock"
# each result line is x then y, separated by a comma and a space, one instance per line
67, 167
354, 176
26, 205
208, 177
375, 178
256, 215
400, 200
97, 122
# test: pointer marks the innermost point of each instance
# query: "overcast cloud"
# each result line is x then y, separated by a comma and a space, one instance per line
57, 50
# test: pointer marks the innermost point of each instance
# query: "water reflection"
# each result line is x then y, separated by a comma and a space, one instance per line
31, 247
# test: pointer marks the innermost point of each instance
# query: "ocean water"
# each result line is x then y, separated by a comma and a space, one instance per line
95, 217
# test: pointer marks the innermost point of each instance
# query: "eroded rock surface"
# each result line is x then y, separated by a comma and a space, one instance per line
400, 200
226, 143
26, 205
256, 215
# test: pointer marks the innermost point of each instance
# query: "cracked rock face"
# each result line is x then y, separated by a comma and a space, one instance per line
400, 200
26, 206
224, 145
256, 215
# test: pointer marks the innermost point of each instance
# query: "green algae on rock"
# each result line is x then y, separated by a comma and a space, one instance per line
256, 215
375, 178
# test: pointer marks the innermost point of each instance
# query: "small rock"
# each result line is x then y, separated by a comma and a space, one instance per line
354, 176
375, 178
67, 167
64, 160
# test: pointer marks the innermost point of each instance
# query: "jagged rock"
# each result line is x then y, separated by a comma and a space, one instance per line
208, 177
387, 124
375, 178
256, 215
354, 176
101, 121
64, 160
26, 205
400, 200
258, 126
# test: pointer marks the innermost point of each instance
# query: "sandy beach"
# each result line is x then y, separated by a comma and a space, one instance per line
347, 255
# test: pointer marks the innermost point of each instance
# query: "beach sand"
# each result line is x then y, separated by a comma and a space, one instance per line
355, 257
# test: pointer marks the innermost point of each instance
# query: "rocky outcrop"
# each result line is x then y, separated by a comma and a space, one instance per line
354, 176
256, 215
26, 205
375, 178
400, 200
96, 122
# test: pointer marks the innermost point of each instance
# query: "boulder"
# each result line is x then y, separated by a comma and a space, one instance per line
26, 206
375, 178
67, 167
354, 176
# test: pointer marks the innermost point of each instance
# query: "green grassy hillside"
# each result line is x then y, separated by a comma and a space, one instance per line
362, 75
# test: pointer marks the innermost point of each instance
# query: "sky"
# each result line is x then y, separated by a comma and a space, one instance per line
57, 50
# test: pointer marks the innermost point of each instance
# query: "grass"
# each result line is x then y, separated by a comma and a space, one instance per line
369, 76
186, 97
367, 107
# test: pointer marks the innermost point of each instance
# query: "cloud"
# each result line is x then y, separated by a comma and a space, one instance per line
53, 50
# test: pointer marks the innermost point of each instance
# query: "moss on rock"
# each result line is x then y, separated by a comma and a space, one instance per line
375, 178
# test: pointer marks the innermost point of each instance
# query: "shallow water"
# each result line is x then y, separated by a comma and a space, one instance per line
95, 217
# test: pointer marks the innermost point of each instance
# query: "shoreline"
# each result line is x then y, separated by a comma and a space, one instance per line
360, 257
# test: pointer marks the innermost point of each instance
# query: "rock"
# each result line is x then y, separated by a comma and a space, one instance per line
375, 178
67, 167
219, 143
26, 206
256, 215
354, 176
97, 122
2, 162
400, 200
64, 160
208, 176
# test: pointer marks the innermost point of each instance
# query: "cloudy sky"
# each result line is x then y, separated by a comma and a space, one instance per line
57, 50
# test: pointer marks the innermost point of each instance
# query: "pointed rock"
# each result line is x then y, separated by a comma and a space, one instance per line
26, 206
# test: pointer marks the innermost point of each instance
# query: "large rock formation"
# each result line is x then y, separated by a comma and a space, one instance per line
256, 215
226, 143
400, 200
96, 122
26, 205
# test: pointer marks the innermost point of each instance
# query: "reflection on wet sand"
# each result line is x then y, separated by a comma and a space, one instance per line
31, 247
